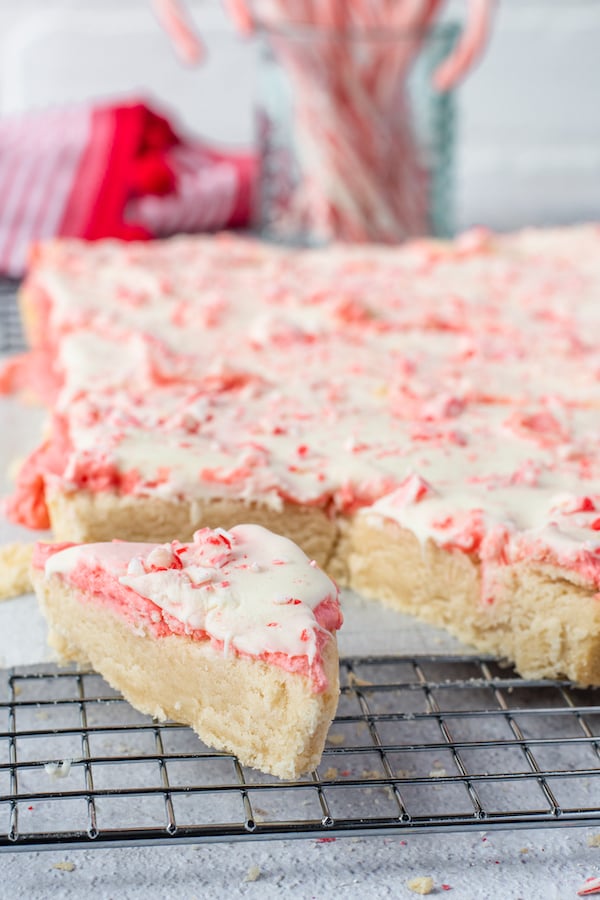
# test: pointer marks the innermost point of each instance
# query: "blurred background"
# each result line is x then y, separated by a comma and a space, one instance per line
528, 139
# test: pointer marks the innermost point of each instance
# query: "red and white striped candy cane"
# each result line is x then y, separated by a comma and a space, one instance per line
364, 177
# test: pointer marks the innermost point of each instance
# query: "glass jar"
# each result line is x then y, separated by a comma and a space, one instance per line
355, 142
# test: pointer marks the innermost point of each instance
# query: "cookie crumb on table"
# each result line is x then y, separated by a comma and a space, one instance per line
15, 560
253, 874
421, 885
14, 467
64, 866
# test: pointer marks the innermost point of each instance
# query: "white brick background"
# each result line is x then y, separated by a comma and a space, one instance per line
530, 129
529, 138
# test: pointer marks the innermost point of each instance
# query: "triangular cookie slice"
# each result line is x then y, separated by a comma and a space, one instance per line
232, 634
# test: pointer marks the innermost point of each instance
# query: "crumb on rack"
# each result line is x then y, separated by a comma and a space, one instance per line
421, 885
335, 739
15, 560
58, 770
359, 682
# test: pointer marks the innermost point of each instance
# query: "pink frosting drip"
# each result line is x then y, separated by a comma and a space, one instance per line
27, 505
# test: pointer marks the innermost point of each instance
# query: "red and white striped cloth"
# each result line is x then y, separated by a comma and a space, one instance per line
114, 170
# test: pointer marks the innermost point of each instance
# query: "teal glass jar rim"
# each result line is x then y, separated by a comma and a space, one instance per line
442, 31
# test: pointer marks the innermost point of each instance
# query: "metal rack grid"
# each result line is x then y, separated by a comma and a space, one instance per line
427, 743
11, 334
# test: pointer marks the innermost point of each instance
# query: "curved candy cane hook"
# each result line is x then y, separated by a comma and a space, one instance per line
470, 45
174, 19
172, 16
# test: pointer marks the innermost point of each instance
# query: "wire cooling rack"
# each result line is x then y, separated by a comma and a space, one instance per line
426, 743
11, 335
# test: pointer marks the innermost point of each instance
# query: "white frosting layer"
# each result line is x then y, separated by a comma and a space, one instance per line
535, 513
252, 590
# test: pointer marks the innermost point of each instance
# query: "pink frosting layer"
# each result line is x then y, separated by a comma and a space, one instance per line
283, 611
